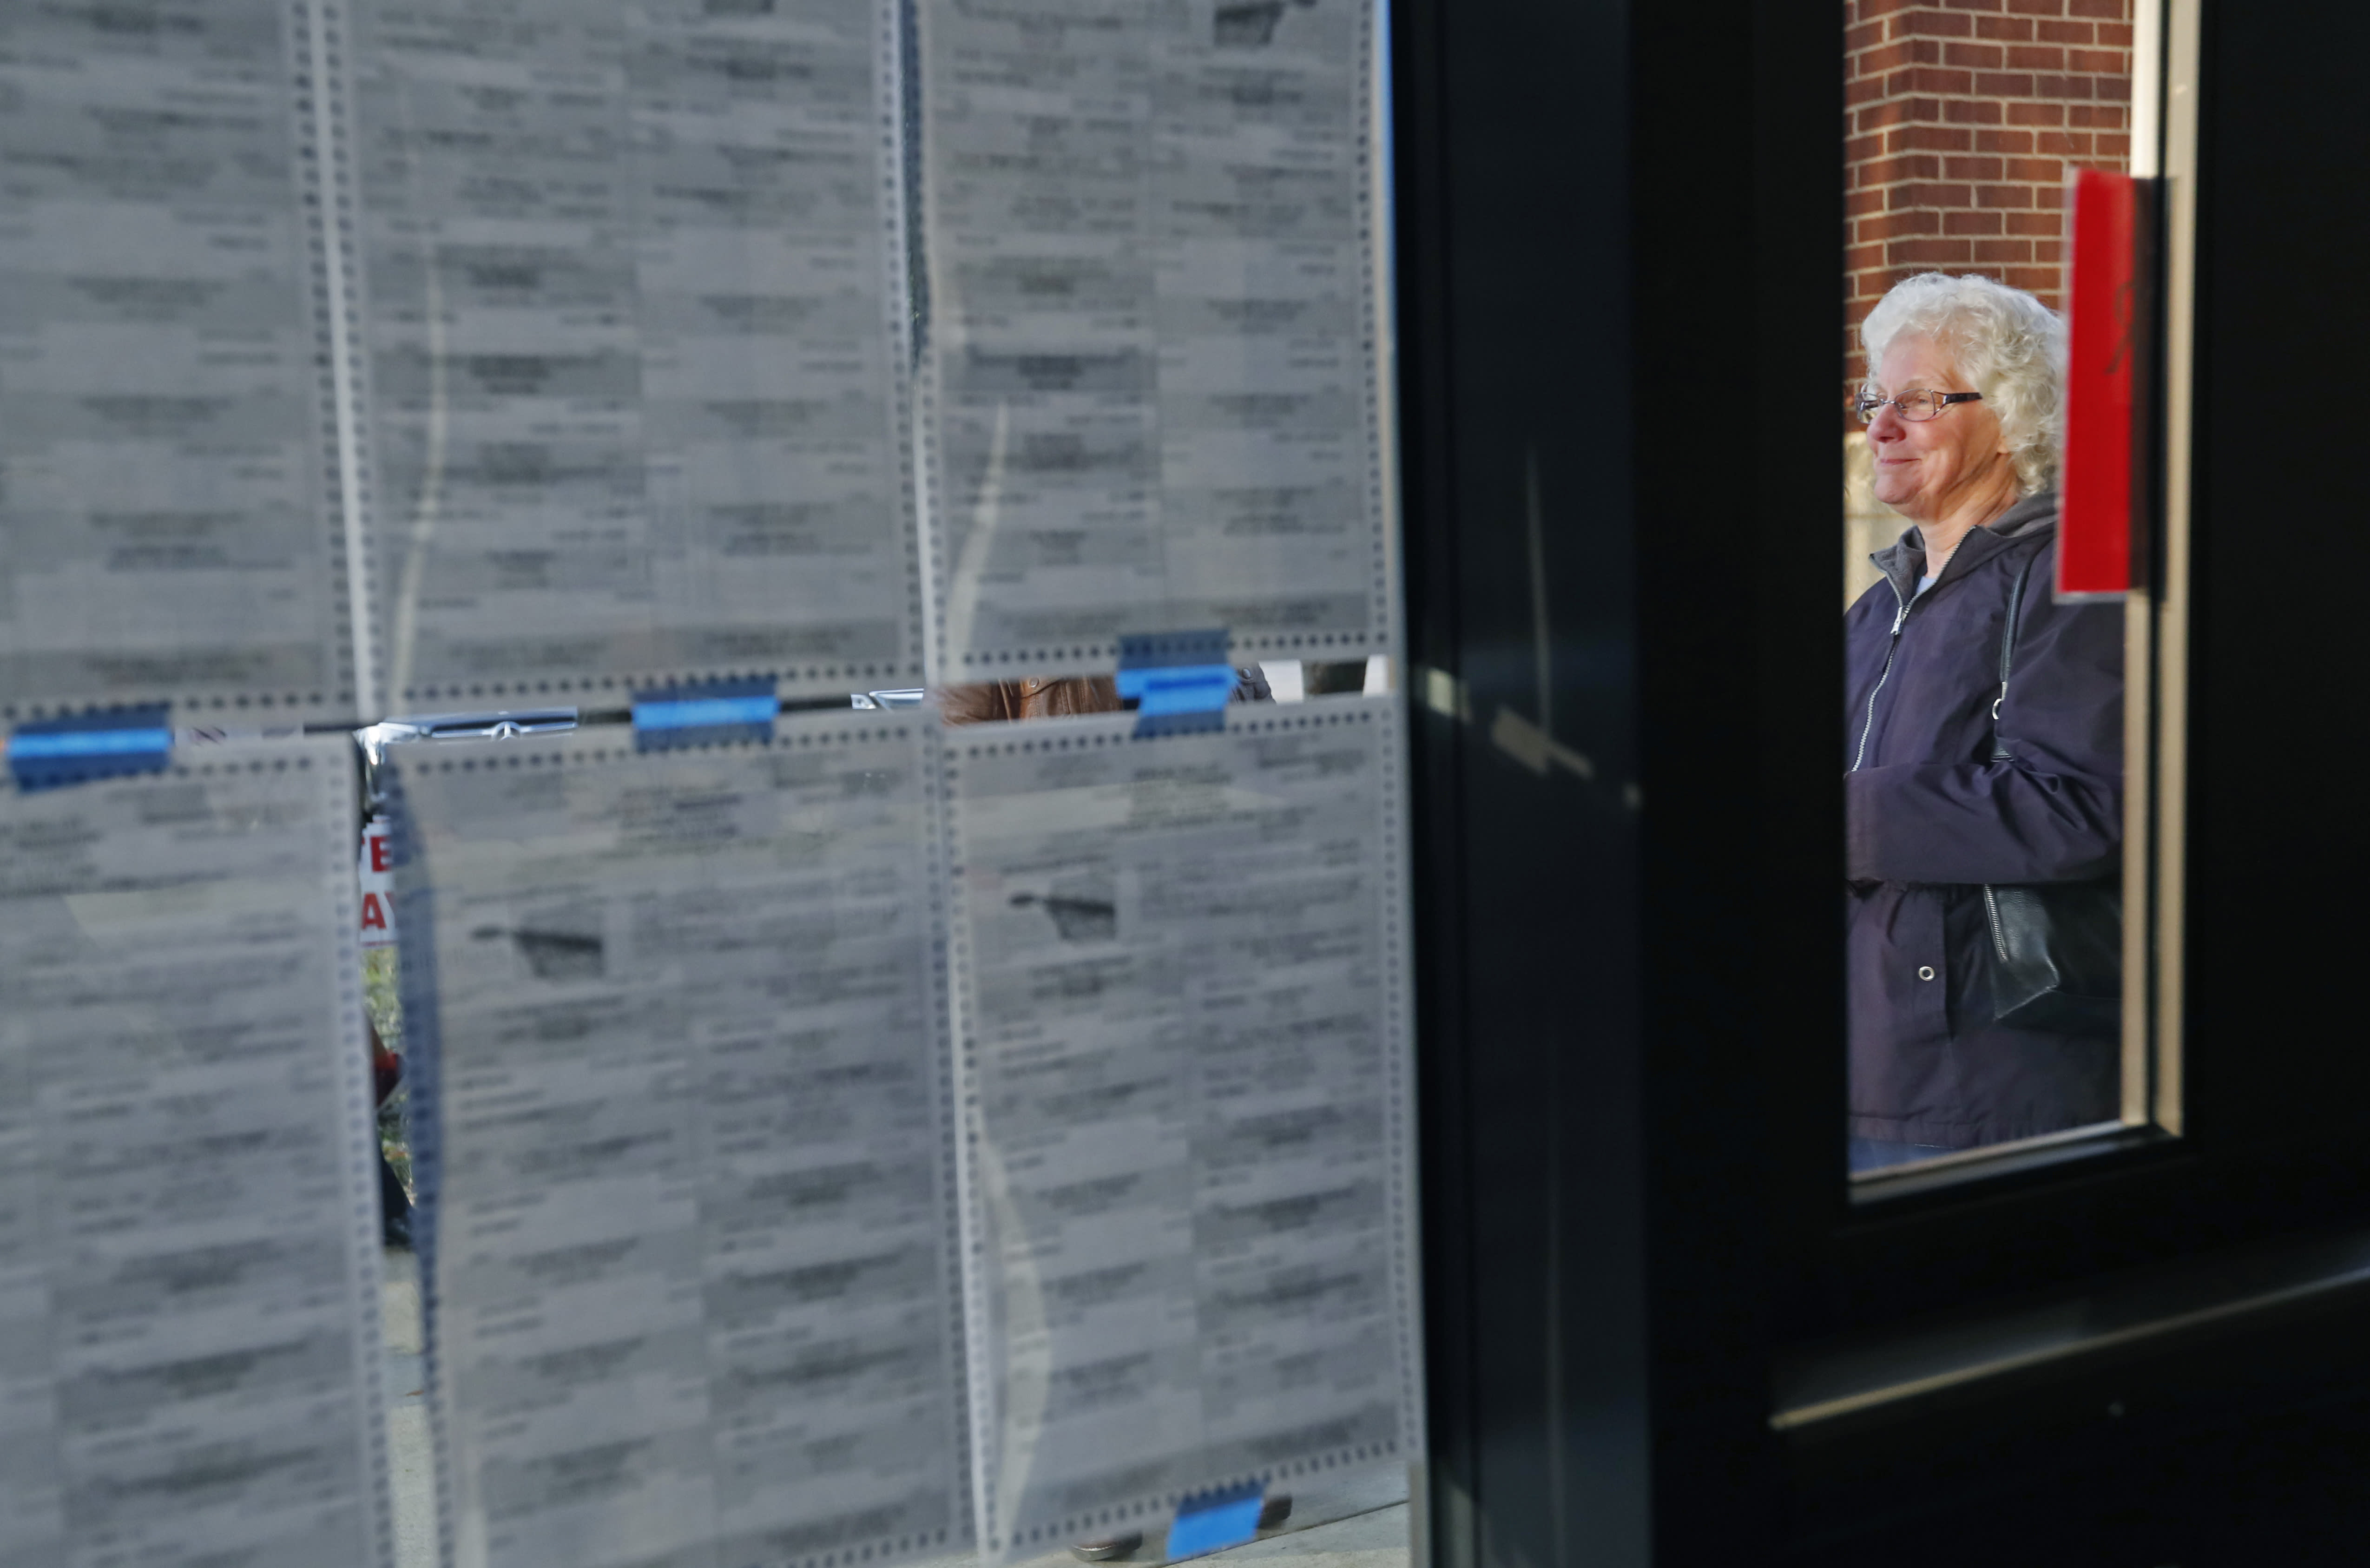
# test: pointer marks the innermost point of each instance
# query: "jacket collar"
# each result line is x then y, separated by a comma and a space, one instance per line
1904, 560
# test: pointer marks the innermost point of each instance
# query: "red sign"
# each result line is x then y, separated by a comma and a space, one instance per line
377, 885
2107, 324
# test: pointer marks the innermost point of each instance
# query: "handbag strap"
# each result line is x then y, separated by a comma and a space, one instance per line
2008, 655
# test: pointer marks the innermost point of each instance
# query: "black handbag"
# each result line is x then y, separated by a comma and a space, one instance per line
2057, 947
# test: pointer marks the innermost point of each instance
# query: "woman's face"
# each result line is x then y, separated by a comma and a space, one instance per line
1928, 470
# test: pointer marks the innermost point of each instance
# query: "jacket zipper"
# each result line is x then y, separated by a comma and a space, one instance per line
1899, 615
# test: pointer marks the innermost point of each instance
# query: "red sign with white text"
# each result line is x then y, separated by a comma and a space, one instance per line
2107, 321
377, 885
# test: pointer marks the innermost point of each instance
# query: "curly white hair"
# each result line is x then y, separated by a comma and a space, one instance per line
2009, 346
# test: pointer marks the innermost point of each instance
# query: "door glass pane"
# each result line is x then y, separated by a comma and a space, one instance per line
1984, 708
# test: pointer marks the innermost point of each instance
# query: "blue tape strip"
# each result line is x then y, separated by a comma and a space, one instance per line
48, 753
698, 713
702, 715
99, 742
1212, 1521
1181, 680
1190, 688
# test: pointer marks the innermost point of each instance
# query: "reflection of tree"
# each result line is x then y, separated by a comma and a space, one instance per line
382, 1003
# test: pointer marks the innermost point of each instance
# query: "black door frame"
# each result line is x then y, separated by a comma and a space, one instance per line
1618, 254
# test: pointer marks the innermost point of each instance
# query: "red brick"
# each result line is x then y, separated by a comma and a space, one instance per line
1860, 258
1975, 169
1861, 35
2036, 172
2115, 147
1972, 5
1864, 90
1897, 225
2114, 35
2039, 225
1927, 138
2098, 116
1975, 112
2103, 10
2036, 113
2064, 143
2000, 250
2064, 86
1892, 112
2003, 85
1974, 56
1941, 24
2037, 57
2049, 250
1931, 79
1860, 203
1869, 8
1912, 165
2049, 198
2035, 279
1921, 193
2113, 90
2011, 29
1971, 222
2011, 142
2037, 8
2065, 32
1893, 56
2004, 196
1860, 149
2103, 61
1933, 253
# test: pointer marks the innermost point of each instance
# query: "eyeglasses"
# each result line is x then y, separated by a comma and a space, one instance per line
1915, 405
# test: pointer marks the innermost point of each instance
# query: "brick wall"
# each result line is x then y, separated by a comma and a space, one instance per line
1962, 118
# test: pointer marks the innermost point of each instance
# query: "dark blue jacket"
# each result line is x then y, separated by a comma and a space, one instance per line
1930, 817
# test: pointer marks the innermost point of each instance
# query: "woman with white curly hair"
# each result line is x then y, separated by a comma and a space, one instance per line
1965, 772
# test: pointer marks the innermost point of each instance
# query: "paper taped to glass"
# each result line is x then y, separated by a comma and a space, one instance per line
1180, 971
684, 1142
190, 1352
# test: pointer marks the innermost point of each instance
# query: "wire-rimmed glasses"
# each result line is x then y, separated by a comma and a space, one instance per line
1915, 405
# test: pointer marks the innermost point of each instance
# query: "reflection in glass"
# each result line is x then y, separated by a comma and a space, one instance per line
1983, 751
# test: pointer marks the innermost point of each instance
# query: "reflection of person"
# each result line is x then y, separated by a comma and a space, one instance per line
1055, 697
1962, 407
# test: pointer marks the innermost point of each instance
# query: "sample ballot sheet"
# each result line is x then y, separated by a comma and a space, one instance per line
1182, 1024
167, 436
632, 285
1153, 402
190, 1352
696, 1292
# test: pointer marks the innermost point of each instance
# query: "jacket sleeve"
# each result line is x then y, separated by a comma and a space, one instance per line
2054, 813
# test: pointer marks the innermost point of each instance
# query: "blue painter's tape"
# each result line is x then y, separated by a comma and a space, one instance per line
91, 742
48, 753
1181, 680
702, 715
1188, 688
1212, 1521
